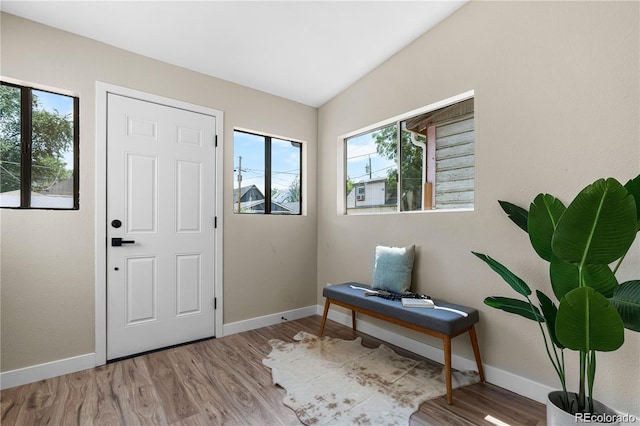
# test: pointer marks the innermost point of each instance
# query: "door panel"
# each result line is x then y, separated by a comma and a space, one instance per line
161, 186
142, 193
188, 198
188, 284
141, 283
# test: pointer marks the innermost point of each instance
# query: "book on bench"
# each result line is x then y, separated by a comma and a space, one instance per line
417, 303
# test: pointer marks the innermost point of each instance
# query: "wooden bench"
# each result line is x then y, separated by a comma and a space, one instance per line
434, 322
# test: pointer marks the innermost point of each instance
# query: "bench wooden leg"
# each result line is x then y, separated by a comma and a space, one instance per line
476, 351
324, 317
353, 320
447, 367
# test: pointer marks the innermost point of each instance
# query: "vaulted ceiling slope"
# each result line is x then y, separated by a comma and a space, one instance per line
306, 51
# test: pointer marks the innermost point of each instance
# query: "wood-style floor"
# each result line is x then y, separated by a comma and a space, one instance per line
223, 382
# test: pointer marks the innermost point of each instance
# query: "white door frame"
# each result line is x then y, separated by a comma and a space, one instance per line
102, 89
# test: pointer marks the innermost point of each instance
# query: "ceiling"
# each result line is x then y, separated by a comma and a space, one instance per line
306, 51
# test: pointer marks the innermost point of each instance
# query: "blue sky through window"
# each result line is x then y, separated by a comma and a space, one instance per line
285, 161
361, 152
64, 105
248, 152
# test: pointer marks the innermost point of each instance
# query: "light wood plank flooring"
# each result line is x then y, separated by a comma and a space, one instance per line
222, 382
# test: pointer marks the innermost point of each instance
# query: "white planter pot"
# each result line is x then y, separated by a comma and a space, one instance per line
556, 416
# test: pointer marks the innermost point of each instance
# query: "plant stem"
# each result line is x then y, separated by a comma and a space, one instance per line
563, 378
591, 374
583, 356
557, 365
581, 389
565, 395
619, 263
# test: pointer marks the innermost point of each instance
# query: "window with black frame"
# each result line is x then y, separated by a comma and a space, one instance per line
38, 149
267, 175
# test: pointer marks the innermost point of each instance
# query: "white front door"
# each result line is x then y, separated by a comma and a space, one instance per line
160, 225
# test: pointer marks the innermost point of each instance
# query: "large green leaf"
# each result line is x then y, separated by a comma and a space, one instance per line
544, 214
513, 280
633, 187
550, 312
515, 306
626, 300
516, 213
587, 321
598, 226
565, 277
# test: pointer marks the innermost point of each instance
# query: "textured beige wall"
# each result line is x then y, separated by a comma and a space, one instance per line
47, 260
557, 106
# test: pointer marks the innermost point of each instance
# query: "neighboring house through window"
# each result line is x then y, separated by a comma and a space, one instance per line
38, 148
267, 174
421, 161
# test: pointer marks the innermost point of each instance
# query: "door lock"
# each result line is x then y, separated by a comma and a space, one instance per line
117, 242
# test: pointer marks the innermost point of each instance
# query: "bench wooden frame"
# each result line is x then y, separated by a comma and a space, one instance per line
446, 338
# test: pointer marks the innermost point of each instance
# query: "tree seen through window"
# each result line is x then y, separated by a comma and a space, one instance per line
38, 138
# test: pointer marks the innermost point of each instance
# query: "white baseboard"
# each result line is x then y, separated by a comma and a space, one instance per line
264, 321
22, 376
504, 379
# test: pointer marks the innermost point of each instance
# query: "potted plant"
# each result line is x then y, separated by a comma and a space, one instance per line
581, 242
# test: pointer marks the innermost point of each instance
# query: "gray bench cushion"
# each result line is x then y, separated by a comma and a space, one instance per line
445, 322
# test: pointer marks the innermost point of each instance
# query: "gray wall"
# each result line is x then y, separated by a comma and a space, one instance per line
556, 107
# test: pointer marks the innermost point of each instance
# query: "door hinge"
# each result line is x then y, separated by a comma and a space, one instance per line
216, 140
215, 303
215, 221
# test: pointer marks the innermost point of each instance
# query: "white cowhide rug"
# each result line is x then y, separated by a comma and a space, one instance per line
340, 382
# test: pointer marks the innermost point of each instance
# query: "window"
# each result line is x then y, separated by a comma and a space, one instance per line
423, 161
38, 148
267, 174
372, 171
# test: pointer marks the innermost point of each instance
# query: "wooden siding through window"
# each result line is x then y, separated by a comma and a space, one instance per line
454, 180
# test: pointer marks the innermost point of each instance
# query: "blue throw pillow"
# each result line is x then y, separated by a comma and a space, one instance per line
392, 268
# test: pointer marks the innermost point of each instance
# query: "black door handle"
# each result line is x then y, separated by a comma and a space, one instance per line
117, 242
